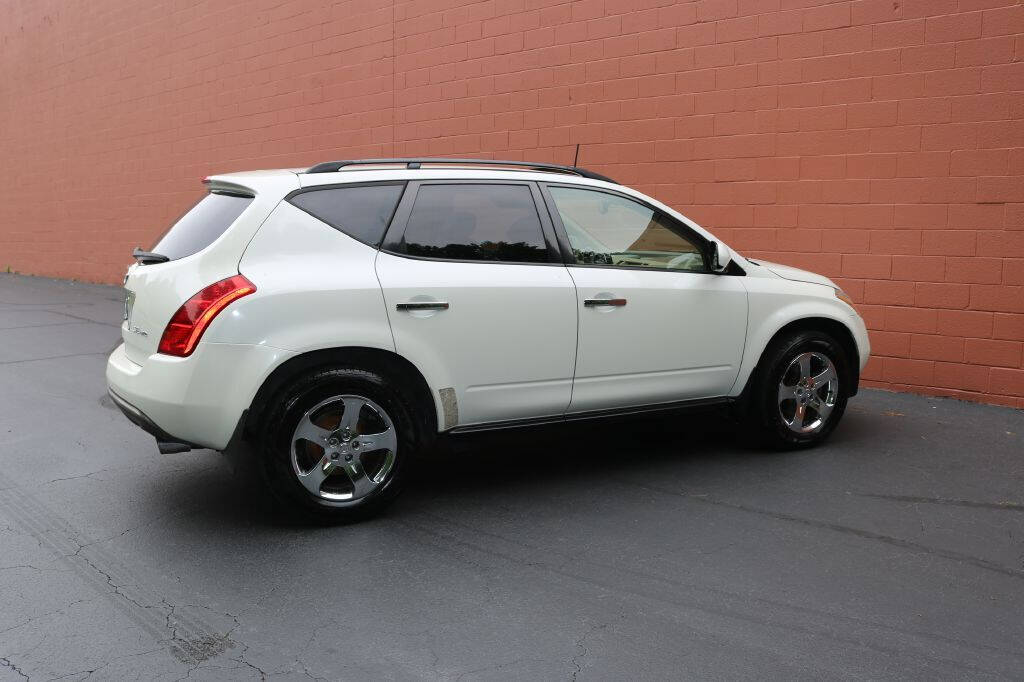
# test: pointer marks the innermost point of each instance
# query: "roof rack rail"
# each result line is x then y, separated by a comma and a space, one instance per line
334, 166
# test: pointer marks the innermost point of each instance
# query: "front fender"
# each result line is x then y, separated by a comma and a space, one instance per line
777, 303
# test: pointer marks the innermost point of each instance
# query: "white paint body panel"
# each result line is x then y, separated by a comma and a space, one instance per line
507, 344
516, 342
316, 289
199, 398
680, 336
796, 274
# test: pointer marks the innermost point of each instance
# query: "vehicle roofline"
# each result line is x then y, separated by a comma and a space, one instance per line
416, 163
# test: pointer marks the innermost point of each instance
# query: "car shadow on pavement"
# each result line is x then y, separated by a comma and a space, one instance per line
579, 449
470, 466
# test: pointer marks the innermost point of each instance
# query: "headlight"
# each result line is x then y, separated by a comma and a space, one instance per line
842, 296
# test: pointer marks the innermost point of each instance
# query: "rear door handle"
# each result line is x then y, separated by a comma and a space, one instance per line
423, 305
591, 302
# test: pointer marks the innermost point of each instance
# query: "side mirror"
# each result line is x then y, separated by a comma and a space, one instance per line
722, 257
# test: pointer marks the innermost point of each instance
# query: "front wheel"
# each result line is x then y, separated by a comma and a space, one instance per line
801, 390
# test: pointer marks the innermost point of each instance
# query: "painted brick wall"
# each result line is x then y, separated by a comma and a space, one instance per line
880, 142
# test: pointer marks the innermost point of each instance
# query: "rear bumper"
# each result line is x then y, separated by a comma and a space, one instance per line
195, 401
164, 441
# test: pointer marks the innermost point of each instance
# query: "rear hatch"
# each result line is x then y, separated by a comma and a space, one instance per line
194, 252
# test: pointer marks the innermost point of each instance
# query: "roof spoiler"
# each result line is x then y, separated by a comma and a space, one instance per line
220, 186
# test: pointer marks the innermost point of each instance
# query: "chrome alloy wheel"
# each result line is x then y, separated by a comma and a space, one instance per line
808, 392
344, 448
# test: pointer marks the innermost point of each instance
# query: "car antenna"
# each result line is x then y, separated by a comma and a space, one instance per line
575, 161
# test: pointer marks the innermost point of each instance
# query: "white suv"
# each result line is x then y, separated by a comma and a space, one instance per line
337, 319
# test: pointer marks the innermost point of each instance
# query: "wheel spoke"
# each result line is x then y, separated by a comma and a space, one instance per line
799, 415
307, 430
805, 365
786, 393
825, 376
822, 408
350, 417
361, 485
385, 468
314, 478
385, 440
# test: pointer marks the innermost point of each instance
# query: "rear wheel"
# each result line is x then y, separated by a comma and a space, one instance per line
801, 390
336, 444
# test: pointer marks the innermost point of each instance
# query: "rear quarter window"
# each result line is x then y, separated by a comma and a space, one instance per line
362, 212
201, 226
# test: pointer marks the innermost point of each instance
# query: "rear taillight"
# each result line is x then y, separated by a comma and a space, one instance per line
188, 324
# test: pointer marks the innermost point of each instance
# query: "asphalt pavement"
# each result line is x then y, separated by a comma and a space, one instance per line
642, 549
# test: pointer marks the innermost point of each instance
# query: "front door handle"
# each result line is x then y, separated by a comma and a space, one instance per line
423, 305
591, 302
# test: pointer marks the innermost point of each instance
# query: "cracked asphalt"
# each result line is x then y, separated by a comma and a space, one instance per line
643, 549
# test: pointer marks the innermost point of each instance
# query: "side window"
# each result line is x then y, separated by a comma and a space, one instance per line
606, 229
476, 222
362, 212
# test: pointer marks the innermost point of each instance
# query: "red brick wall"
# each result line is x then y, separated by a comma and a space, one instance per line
879, 142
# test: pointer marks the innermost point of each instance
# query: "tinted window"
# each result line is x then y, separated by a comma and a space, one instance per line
476, 222
360, 212
607, 229
198, 228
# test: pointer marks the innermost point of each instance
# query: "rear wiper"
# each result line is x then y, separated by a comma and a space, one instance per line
147, 257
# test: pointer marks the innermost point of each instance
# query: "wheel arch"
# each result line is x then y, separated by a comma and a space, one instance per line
393, 366
836, 328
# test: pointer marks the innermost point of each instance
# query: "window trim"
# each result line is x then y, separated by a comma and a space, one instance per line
569, 258
345, 185
393, 242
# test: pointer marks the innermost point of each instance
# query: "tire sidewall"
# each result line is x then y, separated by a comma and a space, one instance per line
780, 357
292, 405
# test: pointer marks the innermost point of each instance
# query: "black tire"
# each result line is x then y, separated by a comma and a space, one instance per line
765, 421
289, 408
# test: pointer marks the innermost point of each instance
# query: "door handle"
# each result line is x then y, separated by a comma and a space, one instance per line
591, 302
423, 305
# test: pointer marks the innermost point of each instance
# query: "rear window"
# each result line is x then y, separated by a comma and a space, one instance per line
198, 228
362, 212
